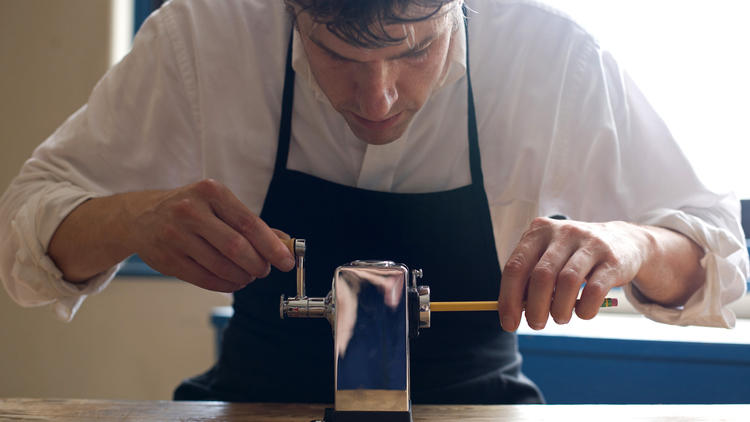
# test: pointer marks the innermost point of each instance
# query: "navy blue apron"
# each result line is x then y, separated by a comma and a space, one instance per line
465, 357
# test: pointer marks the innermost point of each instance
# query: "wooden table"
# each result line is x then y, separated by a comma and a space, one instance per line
147, 411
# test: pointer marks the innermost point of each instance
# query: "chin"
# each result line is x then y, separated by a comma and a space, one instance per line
374, 140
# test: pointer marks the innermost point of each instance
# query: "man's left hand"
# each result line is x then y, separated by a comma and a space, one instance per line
554, 258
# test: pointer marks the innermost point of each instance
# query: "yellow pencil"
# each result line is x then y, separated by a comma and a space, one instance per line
489, 305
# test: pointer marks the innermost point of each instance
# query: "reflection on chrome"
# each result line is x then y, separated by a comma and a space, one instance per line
374, 310
371, 336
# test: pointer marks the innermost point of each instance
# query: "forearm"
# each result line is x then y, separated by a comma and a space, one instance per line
95, 235
671, 272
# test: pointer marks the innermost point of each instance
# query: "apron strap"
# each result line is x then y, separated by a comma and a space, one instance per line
475, 160
287, 101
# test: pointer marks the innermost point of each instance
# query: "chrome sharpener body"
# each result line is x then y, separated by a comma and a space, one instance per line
374, 309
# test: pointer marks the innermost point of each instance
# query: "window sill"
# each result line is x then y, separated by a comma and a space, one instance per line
628, 359
620, 326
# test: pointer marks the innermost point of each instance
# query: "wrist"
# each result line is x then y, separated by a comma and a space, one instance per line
127, 221
671, 271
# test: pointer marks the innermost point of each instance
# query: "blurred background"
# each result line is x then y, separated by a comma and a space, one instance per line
141, 336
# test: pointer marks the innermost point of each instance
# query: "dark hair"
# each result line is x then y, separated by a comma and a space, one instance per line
362, 22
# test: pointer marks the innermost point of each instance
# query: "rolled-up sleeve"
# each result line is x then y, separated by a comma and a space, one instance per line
34, 279
139, 116
632, 169
725, 264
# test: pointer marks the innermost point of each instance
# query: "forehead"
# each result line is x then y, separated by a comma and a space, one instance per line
411, 34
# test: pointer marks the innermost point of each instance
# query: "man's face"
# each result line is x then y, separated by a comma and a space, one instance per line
378, 91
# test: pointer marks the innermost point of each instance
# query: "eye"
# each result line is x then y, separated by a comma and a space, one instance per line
419, 54
335, 57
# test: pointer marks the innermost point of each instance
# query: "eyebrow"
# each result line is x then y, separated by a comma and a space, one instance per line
416, 49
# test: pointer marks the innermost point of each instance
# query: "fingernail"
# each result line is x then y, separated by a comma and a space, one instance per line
289, 262
536, 326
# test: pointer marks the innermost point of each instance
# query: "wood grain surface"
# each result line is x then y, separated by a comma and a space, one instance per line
147, 411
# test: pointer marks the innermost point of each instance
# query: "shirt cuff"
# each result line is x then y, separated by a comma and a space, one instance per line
37, 281
726, 265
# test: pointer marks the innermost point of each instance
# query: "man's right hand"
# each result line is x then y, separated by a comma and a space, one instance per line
200, 233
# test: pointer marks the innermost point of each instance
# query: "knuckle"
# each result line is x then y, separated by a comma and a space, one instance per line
515, 265
595, 243
543, 273
602, 250
569, 277
209, 187
184, 208
537, 226
539, 223
235, 247
571, 231
248, 224
597, 289
614, 260
599, 244
586, 252
567, 229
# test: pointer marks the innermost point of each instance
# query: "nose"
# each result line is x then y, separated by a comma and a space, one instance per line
376, 90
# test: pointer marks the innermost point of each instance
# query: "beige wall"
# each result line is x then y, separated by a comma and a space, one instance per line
138, 338
51, 55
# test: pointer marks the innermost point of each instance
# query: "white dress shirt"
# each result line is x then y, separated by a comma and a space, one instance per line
562, 130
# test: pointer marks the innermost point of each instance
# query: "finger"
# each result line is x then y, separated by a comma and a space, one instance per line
287, 240
217, 263
231, 210
192, 272
569, 282
599, 284
542, 283
281, 235
234, 246
516, 274
197, 217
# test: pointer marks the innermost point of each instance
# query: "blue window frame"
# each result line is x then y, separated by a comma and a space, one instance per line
143, 8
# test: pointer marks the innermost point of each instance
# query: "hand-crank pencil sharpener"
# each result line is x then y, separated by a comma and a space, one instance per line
374, 307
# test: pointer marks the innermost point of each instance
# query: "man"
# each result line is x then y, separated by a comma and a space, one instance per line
378, 130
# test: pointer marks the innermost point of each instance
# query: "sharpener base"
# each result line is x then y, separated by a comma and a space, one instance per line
332, 415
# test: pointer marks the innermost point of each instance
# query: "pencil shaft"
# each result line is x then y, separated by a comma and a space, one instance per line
488, 305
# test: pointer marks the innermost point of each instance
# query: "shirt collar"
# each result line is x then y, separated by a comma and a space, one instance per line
455, 70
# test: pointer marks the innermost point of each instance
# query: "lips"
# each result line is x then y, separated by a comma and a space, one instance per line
379, 124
